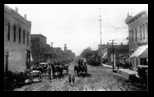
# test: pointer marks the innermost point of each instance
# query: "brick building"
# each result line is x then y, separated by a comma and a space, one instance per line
38, 47
138, 37
17, 31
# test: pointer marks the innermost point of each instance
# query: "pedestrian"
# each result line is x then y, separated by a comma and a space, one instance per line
49, 71
71, 79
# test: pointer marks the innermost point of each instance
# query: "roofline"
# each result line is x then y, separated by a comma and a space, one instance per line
137, 15
12, 12
38, 35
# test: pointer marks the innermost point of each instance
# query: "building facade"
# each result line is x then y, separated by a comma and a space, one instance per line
116, 50
17, 30
138, 34
38, 47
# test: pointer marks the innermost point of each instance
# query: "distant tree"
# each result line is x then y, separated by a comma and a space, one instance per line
91, 56
86, 53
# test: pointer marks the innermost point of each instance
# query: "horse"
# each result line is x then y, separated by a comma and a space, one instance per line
81, 67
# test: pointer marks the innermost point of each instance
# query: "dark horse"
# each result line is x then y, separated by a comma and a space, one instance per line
81, 67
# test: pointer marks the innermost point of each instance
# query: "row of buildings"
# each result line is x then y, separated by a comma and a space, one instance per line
21, 48
138, 38
137, 47
43, 52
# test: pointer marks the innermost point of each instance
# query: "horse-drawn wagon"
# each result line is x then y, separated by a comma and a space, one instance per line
33, 74
59, 68
81, 67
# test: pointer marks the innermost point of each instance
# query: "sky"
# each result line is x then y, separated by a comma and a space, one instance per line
78, 25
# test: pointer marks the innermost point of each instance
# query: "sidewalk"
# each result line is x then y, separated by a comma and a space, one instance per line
128, 71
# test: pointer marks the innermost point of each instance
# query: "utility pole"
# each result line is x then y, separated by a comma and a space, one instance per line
100, 38
113, 53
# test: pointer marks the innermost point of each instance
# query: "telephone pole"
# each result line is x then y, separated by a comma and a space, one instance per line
100, 38
113, 54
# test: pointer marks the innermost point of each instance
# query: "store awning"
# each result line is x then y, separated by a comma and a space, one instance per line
142, 52
104, 56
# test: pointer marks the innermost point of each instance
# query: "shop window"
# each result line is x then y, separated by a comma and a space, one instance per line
143, 61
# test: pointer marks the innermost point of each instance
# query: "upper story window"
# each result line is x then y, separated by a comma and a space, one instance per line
136, 34
132, 36
27, 38
14, 31
140, 32
8, 31
143, 31
19, 34
147, 28
23, 36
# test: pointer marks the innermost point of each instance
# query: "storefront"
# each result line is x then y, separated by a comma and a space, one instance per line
141, 54
104, 57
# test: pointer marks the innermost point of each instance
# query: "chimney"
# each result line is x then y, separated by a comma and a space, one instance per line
25, 16
65, 47
52, 44
16, 9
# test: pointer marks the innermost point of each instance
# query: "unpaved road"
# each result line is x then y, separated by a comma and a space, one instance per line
98, 79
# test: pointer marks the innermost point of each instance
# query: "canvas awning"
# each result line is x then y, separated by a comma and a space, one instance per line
142, 52
104, 56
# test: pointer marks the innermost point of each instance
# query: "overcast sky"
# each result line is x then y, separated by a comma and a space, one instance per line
77, 24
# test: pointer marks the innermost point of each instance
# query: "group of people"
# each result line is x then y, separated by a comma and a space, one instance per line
123, 64
56, 66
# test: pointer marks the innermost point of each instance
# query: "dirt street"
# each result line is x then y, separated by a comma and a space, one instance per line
98, 79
